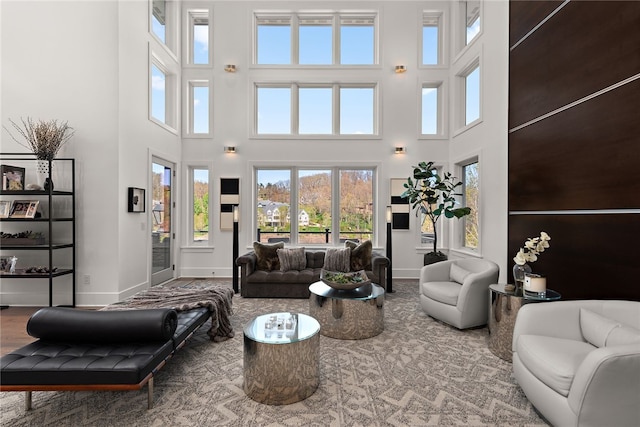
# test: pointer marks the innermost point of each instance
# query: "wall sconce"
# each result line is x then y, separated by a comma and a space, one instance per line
230, 68
400, 150
400, 69
230, 149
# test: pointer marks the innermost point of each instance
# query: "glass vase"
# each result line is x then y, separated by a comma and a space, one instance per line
518, 276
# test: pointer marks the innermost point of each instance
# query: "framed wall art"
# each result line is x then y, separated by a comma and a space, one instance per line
12, 178
24, 209
5, 208
136, 200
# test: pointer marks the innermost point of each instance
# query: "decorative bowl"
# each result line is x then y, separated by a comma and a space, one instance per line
344, 281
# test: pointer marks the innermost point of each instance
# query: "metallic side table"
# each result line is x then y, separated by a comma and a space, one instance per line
351, 315
281, 358
502, 317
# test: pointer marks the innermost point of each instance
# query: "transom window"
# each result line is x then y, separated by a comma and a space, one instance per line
316, 109
309, 205
315, 39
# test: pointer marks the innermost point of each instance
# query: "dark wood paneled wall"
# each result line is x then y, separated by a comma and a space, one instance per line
574, 143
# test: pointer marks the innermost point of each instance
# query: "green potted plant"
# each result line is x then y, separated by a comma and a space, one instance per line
433, 195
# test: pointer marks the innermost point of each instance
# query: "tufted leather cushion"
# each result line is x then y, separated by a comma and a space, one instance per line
73, 325
46, 362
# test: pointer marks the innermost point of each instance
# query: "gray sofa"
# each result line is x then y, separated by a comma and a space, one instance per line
255, 283
578, 362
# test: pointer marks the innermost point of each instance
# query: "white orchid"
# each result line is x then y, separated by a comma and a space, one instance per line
532, 248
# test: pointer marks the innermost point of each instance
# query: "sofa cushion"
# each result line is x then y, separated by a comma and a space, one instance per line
554, 361
338, 259
444, 292
360, 254
596, 328
267, 255
623, 335
292, 259
457, 273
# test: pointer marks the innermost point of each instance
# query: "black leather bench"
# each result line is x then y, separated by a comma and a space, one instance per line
97, 350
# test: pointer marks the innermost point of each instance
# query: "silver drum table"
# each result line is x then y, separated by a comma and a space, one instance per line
281, 358
350, 315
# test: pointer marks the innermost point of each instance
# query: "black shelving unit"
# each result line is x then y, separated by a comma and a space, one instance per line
57, 239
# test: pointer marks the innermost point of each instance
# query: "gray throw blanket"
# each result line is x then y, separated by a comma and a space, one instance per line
217, 299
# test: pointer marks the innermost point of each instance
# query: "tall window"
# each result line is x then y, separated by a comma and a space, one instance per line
158, 94
199, 114
199, 37
328, 205
164, 22
322, 39
471, 235
310, 109
431, 39
430, 109
200, 194
471, 14
158, 19
472, 95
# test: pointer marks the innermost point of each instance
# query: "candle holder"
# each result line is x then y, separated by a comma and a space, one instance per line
535, 285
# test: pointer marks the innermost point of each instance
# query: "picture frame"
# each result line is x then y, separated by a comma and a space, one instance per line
136, 200
12, 178
5, 208
24, 209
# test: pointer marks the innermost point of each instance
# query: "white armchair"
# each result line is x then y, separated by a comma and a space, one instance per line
457, 291
578, 362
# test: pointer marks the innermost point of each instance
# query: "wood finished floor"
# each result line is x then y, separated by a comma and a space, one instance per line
13, 328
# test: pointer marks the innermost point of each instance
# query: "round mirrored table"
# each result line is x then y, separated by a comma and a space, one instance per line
281, 358
502, 316
355, 314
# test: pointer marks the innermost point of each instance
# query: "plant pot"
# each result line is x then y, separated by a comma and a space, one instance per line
433, 257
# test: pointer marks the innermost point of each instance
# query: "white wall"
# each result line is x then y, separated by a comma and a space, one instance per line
89, 66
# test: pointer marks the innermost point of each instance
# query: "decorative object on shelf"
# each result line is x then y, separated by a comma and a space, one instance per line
7, 263
5, 208
24, 238
535, 285
24, 209
527, 254
40, 270
136, 200
12, 178
44, 138
434, 195
344, 281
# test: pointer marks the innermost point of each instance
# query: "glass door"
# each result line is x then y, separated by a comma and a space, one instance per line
162, 235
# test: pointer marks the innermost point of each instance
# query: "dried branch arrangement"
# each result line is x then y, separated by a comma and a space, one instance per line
44, 138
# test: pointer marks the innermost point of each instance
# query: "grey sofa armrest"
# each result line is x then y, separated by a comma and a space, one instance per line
379, 265
247, 264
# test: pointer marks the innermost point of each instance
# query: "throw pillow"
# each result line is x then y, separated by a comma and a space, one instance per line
267, 255
337, 259
360, 255
292, 259
457, 273
596, 328
624, 335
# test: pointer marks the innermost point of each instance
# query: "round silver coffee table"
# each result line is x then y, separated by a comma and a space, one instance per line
281, 358
351, 315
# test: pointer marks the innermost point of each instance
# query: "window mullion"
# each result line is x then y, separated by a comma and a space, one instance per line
336, 39
295, 109
293, 208
295, 39
336, 109
335, 206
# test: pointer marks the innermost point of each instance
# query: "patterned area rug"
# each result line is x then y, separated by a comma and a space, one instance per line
418, 372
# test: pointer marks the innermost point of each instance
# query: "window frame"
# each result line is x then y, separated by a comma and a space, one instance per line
191, 16
171, 118
461, 96
459, 227
441, 112
170, 42
460, 27
294, 20
335, 170
440, 16
188, 109
295, 110
190, 181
